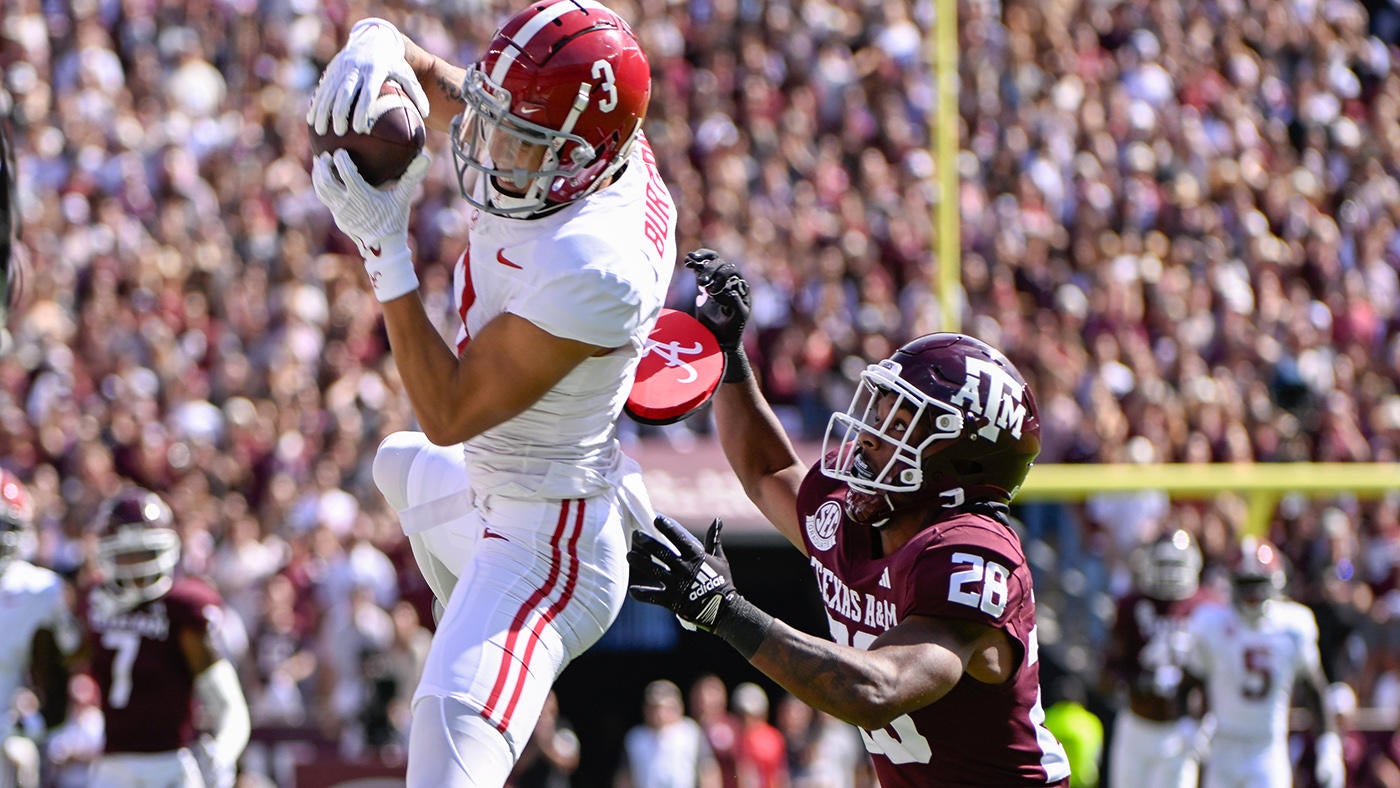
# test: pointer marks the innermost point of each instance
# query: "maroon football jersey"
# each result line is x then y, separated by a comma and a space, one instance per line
968, 567
146, 682
1147, 649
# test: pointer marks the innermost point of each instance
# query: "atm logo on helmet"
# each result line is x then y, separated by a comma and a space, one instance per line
1004, 407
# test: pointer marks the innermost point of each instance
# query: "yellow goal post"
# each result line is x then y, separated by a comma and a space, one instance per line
1261, 484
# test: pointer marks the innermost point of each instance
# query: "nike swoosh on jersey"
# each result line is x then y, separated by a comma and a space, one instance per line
501, 258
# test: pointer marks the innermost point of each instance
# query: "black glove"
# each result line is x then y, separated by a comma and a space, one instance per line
726, 310
694, 582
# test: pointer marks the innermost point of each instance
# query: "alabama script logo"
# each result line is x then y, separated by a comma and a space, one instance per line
671, 353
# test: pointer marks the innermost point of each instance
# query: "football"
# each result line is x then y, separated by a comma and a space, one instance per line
391, 144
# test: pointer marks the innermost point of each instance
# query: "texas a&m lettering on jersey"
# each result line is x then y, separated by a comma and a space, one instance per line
967, 567
876, 613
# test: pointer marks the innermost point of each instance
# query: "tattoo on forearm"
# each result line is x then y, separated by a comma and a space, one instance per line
452, 90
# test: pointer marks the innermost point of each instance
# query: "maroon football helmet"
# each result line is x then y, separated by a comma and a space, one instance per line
552, 108
16, 519
138, 547
1257, 575
961, 421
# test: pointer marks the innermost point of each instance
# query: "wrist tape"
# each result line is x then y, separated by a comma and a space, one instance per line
742, 625
736, 365
390, 269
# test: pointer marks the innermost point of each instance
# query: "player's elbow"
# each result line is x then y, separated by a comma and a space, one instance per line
441, 433
875, 702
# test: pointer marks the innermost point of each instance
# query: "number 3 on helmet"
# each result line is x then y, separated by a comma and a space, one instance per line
552, 108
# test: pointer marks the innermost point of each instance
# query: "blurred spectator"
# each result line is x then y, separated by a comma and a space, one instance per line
551, 755
762, 750
1079, 730
709, 706
668, 749
73, 746
822, 751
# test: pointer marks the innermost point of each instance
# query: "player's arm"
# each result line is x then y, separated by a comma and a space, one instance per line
754, 442
48, 672
910, 666
1329, 767
509, 364
218, 691
441, 81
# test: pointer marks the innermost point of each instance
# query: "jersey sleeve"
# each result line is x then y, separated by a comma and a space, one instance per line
593, 306
965, 582
195, 607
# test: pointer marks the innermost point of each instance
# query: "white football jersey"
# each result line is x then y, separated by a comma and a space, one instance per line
1250, 668
31, 599
596, 271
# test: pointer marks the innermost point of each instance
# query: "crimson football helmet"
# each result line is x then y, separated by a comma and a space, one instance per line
959, 418
552, 108
1169, 568
137, 546
1256, 576
16, 519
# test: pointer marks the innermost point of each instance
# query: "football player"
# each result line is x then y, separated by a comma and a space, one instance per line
516, 496
151, 639
11, 263
1250, 654
905, 524
40, 636
1154, 737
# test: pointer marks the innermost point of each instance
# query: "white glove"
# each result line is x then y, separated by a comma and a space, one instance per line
374, 52
216, 772
1330, 770
376, 219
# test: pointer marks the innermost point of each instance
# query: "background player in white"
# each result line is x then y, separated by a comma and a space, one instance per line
516, 496
1250, 655
1154, 734
39, 635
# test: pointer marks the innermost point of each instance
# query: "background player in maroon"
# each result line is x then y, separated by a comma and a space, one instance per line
905, 524
1155, 741
151, 638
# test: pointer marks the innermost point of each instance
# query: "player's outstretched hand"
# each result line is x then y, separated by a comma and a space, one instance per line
691, 579
376, 219
373, 53
726, 310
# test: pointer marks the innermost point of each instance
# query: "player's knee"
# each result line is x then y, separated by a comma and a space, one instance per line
392, 462
451, 746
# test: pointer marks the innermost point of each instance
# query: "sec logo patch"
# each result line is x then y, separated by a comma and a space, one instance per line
821, 527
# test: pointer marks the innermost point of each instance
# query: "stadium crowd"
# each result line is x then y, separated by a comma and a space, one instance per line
1178, 217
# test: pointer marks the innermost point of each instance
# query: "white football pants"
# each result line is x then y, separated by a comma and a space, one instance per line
529, 585
1247, 763
1150, 754
176, 769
